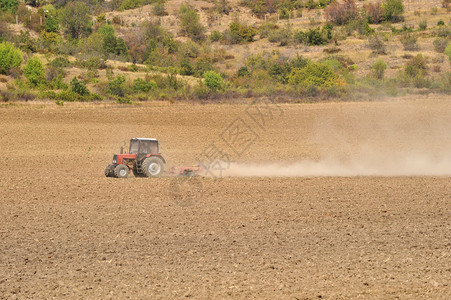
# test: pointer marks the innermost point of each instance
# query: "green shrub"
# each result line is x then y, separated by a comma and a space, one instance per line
51, 24
169, 82
130, 4
9, 5
68, 96
10, 57
440, 44
213, 80
202, 65
116, 86
314, 74
393, 10
34, 71
140, 85
133, 68
239, 33
26, 42
360, 25
440, 23
448, 51
378, 69
159, 8
409, 42
94, 97
186, 68
416, 66
190, 23
60, 62
266, 28
243, 71
201, 91
423, 25
376, 44
91, 63
78, 87
283, 36
71, 96
215, 36
58, 83
315, 36
443, 31
222, 6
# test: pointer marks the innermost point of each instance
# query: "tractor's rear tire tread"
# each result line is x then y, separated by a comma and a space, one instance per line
148, 161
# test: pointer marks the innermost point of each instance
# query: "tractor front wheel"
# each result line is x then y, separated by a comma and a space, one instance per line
121, 171
153, 167
109, 170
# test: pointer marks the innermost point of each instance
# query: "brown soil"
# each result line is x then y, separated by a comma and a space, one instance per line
66, 230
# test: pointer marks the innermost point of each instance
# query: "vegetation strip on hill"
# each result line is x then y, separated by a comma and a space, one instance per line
220, 49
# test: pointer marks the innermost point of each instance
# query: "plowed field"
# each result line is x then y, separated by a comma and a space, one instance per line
333, 201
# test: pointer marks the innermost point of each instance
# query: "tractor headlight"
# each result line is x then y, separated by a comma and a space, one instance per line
114, 161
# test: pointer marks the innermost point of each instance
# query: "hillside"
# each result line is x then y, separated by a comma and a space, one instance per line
142, 50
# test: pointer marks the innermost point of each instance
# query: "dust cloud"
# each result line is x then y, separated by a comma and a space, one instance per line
372, 139
413, 165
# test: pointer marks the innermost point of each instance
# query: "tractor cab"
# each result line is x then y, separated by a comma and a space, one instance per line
143, 159
144, 146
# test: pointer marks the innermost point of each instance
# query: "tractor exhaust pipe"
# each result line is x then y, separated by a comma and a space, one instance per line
122, 150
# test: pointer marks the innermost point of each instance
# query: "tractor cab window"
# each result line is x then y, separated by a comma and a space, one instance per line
144, 147
153, 147
134, 147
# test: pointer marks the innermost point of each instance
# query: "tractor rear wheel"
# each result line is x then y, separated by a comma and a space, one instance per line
121, 171
109, 170
153, 166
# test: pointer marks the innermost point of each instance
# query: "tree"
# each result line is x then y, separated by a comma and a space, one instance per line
213, 80
9, 5
34, 71
393, 10
76, 19
190, 24
10, 57
111, 43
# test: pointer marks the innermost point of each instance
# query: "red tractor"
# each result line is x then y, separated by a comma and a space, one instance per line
143, 159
